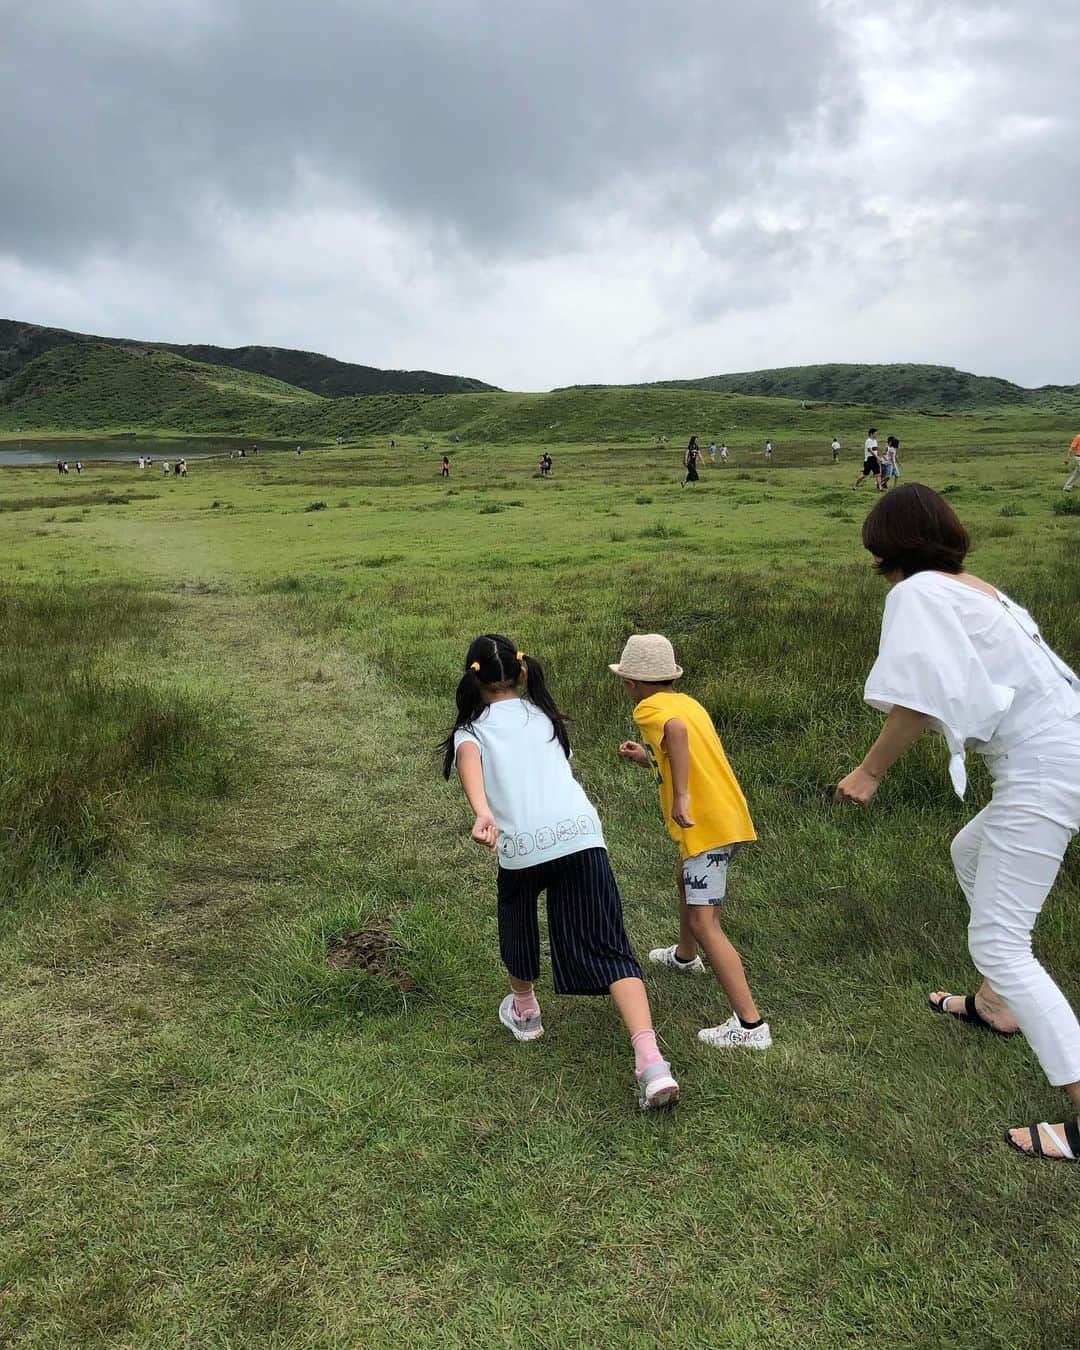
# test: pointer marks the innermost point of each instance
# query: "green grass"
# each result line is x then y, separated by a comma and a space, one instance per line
122, 390
209, 1136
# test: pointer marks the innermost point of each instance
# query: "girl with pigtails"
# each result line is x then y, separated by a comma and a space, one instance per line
511, 750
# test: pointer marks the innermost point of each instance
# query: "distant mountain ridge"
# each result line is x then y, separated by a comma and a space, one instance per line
925, 388
108, 387
21, 343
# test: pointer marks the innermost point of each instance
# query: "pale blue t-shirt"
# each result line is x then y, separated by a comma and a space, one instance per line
539, 806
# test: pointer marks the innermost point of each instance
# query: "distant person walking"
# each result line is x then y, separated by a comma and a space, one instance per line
165, 468
724, 453
1073, 460
60, 466
299, 448
712, 451
960, 658
870, 464
445, 467
835, 449
890, 464
78, 466
768, 449
183, 468
693, 454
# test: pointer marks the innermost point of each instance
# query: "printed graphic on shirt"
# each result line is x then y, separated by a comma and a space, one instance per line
565, 830
545, 837
507, 846
525, 844
654, 764
585, 825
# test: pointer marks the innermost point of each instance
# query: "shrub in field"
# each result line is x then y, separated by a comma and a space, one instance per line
1012, 509
1067, 506
661, 530
89, 758
316, 506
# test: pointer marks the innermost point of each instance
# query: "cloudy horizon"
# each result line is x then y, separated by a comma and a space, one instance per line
552, 195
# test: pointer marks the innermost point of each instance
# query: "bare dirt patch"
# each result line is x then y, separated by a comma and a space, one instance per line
373, 950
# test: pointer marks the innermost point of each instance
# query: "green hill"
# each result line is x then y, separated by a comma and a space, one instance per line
94, 387
928, 388
21, 343
99, 387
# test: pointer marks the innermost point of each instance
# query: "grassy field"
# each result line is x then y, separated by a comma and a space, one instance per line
232, 687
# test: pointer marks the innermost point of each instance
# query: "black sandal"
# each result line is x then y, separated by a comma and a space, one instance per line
1069, 1147
971, 1014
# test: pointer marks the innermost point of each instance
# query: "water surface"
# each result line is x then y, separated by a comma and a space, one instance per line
126, 449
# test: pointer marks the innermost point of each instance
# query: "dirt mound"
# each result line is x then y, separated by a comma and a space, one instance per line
373, 950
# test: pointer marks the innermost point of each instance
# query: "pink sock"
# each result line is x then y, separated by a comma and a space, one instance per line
525, 1005
645, 1051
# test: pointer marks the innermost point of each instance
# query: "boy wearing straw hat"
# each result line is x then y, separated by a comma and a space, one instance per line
707, 816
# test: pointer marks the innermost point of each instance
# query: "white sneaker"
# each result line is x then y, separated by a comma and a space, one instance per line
734, 1034
665, 956
521, 1028
657, 1087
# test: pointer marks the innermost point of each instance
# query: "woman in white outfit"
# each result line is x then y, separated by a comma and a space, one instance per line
959, 657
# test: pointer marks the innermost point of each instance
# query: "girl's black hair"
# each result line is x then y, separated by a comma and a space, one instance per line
493, 662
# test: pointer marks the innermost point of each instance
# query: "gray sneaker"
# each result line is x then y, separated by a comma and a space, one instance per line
665, 956
521, 1028
656, 1087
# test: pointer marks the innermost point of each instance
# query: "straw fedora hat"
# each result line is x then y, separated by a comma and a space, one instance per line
649, 657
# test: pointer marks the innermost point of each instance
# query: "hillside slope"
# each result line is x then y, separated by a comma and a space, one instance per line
93, 386
88, 387
21, 343
924, 387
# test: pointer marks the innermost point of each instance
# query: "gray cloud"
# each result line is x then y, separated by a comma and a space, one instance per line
544, 194
467, 114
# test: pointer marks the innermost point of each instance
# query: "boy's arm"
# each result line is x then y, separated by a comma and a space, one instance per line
471, 772
677, 744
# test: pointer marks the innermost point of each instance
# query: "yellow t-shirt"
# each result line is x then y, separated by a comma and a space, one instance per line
717, 805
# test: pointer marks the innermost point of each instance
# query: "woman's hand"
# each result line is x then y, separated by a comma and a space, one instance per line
858, 787
680, 810
635, 753
485, 831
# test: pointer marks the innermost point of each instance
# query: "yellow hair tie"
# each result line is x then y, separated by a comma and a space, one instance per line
520, 656
475, 666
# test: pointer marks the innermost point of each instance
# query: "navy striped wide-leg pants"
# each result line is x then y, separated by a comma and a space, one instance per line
589, 946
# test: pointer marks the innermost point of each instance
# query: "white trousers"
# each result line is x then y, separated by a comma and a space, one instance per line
1006, 861
1073, 476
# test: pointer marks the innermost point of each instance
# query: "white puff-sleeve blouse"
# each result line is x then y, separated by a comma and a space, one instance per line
975, 664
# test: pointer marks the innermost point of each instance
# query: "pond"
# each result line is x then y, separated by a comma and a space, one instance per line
127, 449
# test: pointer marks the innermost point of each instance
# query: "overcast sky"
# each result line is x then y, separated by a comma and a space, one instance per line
551, 193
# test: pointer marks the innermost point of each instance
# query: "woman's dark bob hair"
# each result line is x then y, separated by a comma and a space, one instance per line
914, 529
